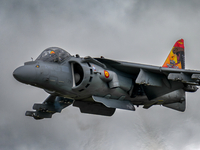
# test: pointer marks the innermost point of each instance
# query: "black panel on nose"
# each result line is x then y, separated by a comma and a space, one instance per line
25, 74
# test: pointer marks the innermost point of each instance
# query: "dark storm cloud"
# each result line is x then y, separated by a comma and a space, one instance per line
138, 31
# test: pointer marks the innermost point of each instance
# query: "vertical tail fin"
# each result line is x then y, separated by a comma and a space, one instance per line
176, 57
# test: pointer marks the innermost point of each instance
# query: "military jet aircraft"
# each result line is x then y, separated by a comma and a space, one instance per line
100, 85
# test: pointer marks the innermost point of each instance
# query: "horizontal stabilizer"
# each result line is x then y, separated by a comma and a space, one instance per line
185, 78
196, 76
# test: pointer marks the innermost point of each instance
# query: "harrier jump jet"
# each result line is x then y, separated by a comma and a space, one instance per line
100, 85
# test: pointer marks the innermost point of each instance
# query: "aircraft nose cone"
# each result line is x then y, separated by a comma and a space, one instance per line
17, 73
24, 74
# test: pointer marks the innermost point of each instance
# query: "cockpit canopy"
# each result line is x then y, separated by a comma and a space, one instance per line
53, 54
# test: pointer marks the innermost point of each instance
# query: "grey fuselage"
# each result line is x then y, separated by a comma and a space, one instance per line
78, 79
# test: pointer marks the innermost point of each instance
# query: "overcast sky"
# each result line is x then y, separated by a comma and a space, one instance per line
140, 31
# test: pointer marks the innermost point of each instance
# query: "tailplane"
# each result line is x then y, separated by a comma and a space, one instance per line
176, 57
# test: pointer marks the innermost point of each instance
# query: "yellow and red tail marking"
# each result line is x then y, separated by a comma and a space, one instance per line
176, 57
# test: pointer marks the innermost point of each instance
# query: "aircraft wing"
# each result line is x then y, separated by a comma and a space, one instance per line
134, 68
156, 80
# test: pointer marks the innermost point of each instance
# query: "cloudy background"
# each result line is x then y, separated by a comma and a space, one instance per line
140, 31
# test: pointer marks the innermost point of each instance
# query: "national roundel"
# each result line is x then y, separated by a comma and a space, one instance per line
106, 73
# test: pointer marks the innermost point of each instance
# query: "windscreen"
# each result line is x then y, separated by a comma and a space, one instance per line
53, 54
